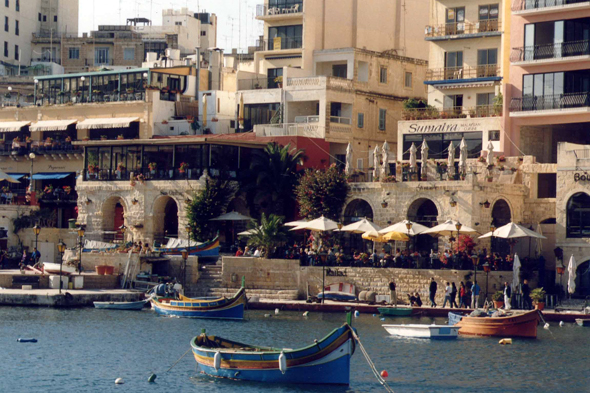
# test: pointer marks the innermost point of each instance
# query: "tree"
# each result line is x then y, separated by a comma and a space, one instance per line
273, 177
209, 203
267, 235
322, 193
464, 243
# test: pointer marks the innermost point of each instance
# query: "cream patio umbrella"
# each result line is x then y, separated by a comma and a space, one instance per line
513, 231
241, 111
7, 177
450, 228
376, 163
516, 273
232, 217
402, 227
463, 156
451, 161
571, 273
385, 158
295, 223
361, 226
348, 169
204, 110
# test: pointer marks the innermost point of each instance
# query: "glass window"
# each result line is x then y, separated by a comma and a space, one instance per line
275, 76
578, 216
101, 56
361, 120
74, 53
16, 28
382, 119
438, 144
129, 54
288, 37
408, 80
383, 75
494, 135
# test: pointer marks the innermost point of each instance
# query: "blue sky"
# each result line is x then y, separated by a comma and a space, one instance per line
230, 20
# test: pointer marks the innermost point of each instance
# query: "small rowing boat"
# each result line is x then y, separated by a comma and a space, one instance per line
435, 332
120, 305
54, 268
514, 324
217, 308
326, 361
583, 322
395, 311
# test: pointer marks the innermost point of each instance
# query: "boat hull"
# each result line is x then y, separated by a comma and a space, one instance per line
234, 312
395, 311
522, 325
583, 322
209, 249
220, 308
337, 296
120, 305
53, 268
434, 332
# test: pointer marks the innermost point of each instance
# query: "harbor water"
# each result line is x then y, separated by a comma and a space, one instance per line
85, 350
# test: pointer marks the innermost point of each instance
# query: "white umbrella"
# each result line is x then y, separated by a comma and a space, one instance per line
463, 156
401, 227
233, 216
413, 151
513, 231
424, 149
321, 224
449, 228
571, 279
348, 169
295, 223
249, 232
376, 163
539, 248
451, 161
361, 226
8, 178
385, 158
515, 273
490, 158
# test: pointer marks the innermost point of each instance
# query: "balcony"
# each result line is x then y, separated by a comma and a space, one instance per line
569, 103
279, 10
464, 30
540, 7
147, 174
308, 129
55, 150
279, 43
551, 53
488, 72
320, 82
452, 113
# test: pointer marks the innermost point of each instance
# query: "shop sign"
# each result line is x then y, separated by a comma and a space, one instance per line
581, 177
417, 128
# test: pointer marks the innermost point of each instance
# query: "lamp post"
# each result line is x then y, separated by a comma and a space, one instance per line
188, 229
474, 258
492, 229
81, 236
123, 228
37, 230
560, 270
409, 228
184, 258
32, 157
487, 269
61, 248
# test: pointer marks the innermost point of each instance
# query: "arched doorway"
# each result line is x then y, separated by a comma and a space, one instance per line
423, 211
578, 216
165, 219
583, 280
356, 210
501, 216
113, 218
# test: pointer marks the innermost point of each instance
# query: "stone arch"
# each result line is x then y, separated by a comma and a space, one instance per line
583, 279
501, 212
577, 216
356, 209
113, 212
424, 211
165, 213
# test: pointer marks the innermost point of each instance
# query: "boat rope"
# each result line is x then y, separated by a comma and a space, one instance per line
544, 322
371, 364
190, 349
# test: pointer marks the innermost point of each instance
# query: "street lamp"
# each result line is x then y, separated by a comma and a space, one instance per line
61, 248
80, 235
409, 228
32, 157
487, 268
37, 230
123, 228
492, 229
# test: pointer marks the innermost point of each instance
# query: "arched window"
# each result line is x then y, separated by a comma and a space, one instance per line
356, 210
578, 215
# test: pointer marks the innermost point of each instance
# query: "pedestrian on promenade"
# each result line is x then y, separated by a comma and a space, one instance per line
418, 300
462, 295
392, 293
475, 290
454, 296
526, 296
448, 291
507, 296
432, 292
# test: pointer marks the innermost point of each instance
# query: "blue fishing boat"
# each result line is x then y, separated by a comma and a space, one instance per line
120, 305
217, 308
208, 249
326, 361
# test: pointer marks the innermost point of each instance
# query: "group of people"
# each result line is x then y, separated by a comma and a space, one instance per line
7, 197
30, 259
248, 252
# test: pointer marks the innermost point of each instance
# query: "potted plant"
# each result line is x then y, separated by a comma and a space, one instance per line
48, 189
498, 299
183, 167
141, 178
103, 137
489, 178
279, 81
538, 296
130, 90
481, 159
152, 166
67, 189
132, 181
28, 139
120, 137
501, 159
462, 175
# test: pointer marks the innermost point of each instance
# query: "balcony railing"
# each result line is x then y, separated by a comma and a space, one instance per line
551, 51
458, 112
464, 28
24, 148
521, 5
549, 102
279, 8
310, 130
158, 174
281, 43
96, 97
253, 84
340, 120
456, 73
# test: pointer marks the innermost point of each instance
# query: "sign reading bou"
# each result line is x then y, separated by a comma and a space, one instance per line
578, 177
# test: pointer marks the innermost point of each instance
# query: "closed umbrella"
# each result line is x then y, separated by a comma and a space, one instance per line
571, 272
490, 158
204, 110
451, 161
413, 151
516, 273
463, 156
241, 112
348, 169
424, 150
376, 163
539, 248
385, 158
8, 178
361, 226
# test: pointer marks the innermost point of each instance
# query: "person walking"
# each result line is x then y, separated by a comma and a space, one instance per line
392, 293
448, 291
454, 296
462, 296
526, 296
475, 290
432, 291
507, 296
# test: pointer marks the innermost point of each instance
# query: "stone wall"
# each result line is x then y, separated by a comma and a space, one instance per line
261, 273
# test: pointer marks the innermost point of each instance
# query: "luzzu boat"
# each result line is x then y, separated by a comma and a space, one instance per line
202, 250
395, 311
326, 361
217, 308
514, 324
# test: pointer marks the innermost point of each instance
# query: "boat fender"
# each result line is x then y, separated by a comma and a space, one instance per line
383, 319
26, 340
119, 381
505, 341
305, 314
276, 311
561, 324
357, 314
152, 378
546, 327
384, 374
236, 374
282, 362
217, 361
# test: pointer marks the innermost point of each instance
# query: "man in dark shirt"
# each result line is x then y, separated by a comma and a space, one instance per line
392, 293
526, 296
432, 291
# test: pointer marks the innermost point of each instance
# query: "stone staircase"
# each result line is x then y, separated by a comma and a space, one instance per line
210, 277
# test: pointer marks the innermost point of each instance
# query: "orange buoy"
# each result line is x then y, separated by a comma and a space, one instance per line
384, 374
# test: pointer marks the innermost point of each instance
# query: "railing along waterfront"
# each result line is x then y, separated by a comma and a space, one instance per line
147, 174
551, 51
455, 73
464, 28
458, 112
555, 101
521, 5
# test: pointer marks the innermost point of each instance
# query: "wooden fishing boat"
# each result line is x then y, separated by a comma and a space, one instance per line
218, 308
395, 311
341, 292
53, 268
120, 305
583, 322
326, 361
435, 332
208, 249
515, 324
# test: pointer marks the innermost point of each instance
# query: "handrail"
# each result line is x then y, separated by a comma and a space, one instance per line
521, 5
452, 73
286, 43
547, 102
551, 51
452, 113
462, 28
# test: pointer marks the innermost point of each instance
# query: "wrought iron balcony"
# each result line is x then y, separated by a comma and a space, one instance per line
459, 112
460, 73
551, 51
550, 102
483, 27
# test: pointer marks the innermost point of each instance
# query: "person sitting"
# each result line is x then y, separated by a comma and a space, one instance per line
418, 301
3, 198
257, 253
9, 197
240, 252
248, 252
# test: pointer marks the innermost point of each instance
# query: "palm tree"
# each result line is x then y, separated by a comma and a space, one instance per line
274, 175
267, 235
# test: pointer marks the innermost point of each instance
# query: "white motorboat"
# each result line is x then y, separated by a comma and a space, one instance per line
54, 268
437, 332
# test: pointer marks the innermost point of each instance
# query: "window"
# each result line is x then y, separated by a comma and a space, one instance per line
360, 123
16, 53
129, 54
494, 136
17, 5
359, 163
455, 21
288, 37
383, 75
39, 17
487, 60
453, 102
74, 53
5, 49
16, 28
382, 119
408, 80
578, 215
439, 143
547, 185
484, 101
7, 3
203, 33
44, 18
275, 76
55, 18
101, 56
340, 71
488, 17
232, 124
6, 23
178, 23
453, 65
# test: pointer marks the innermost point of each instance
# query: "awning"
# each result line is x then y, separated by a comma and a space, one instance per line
52, 125
109, 122
51, 175
13, 126
17, 176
